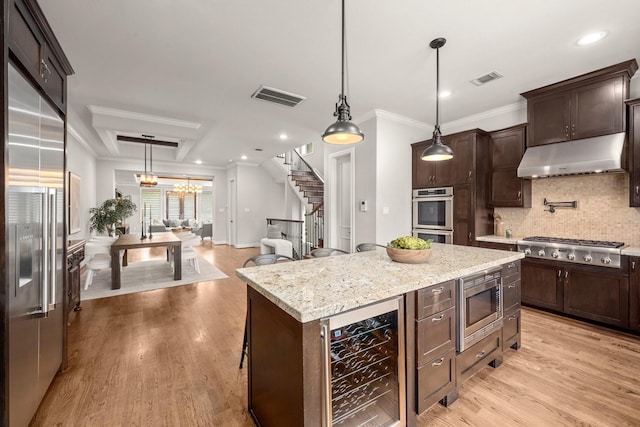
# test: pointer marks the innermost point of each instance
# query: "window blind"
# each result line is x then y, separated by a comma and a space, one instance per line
152, 198
206, 206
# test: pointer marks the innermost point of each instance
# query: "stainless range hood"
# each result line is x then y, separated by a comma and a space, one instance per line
583, 156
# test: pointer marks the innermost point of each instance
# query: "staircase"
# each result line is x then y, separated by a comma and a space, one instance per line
312, 188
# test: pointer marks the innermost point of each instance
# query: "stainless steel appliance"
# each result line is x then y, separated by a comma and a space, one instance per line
433, 213
438, 236
35, 234
479, 307
592, 252
364, 374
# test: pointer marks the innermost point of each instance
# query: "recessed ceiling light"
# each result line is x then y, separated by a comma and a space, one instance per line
283, 136
591, 38
198, 162
444, 93
244, 157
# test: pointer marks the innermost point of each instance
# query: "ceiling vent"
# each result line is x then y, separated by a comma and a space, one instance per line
278, 96
494, 75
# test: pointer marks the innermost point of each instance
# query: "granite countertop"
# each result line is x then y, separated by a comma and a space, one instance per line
321, 287
631, 251
498, 239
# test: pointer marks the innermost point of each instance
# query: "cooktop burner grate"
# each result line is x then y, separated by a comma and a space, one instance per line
575, 242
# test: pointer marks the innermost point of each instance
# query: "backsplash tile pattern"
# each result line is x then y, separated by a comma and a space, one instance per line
603, 211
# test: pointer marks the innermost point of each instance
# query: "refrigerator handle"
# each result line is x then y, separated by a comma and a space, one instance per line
43, 309
52, 250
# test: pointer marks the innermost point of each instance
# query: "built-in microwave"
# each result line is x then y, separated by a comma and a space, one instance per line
438, 236
433, 208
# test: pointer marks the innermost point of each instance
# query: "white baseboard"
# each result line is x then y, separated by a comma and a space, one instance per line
246, 245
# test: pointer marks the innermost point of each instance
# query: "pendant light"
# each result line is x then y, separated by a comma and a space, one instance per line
437, 151
148, 179
342, 131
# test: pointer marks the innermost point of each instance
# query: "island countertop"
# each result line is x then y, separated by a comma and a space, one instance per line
321, 287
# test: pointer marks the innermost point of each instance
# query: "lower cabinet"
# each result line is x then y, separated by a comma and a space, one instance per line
542, 284
634, 293
437, 381
486, 351
511, 329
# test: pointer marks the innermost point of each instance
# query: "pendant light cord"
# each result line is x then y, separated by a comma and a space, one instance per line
145, 161
438, 89
343, 43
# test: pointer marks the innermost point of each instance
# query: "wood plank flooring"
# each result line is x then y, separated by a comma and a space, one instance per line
170, 358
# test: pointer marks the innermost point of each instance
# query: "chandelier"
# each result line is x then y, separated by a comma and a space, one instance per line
187, 188
148, 179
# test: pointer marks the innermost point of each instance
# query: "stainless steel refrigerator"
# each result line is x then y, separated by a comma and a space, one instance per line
35, 245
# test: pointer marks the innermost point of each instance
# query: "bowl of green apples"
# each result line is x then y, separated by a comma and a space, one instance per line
409, 250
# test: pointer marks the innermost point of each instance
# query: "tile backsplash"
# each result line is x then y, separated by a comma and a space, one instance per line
603, 211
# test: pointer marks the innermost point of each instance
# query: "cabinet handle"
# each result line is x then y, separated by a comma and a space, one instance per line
469, 236
559, 273
512, 317
519, 195
480, 355
513, 264
633, 266
469, 177
437, 291
438, 362
573, 129
566, 274
637, 189
566, 130
45, 71
437, 319
512, 286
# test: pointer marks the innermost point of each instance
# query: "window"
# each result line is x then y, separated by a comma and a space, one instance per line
181, 205
152, 199
305, 149
206, 206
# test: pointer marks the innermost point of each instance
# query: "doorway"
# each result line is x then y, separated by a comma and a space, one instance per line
231, 224
342, 199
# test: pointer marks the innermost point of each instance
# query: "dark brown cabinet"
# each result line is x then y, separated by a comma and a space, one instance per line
634, 293
507, 149
599, 295
436, 345
634, 152
594, 293
511, 297
36, 50
541, 284
499, 246
476, 357
430, 174
75, 255
585, 106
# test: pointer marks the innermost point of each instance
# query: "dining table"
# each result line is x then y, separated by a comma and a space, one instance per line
134, 241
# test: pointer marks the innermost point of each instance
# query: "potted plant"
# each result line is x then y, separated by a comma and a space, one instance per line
110, 212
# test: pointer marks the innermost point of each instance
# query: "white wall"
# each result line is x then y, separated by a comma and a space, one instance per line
82, 163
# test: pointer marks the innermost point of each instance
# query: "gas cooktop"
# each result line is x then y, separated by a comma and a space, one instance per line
593, 252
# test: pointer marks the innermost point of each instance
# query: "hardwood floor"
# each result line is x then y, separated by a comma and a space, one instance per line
170, 357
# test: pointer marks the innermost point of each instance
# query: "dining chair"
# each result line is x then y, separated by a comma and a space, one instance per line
323, 252
99, 256
188, 240
365, 247
258, 260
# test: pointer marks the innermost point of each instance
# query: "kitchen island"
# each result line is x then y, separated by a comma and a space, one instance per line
287, 301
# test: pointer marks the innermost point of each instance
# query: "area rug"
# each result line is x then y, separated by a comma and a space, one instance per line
148, 275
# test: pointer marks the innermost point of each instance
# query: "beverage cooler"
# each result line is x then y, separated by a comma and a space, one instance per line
364, 374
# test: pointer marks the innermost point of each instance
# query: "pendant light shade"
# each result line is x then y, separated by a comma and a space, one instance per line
437, 151
343, 131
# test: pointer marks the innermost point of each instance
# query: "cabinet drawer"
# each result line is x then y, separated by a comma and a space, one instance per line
436, 379
511, 271
510, 294
511, 329
435, 335
475, 357
435, 298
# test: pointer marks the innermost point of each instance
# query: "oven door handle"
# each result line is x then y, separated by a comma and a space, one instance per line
433, 199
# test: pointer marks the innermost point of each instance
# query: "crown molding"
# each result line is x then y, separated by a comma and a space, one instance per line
472, 120
130, 115
83, 142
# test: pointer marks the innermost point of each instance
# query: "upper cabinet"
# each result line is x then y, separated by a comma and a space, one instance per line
35, 49
585, 106
507, 149
634, 152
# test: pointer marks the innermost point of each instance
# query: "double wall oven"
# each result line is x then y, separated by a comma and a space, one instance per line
433, 214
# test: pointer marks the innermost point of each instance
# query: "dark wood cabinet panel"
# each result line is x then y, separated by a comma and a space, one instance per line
488, 350
435, 334
463, 164
541, 284
585, 106
634, 293
423, 172
436, 380
634, 151
549, 119
511, 329
496, 245
435, 298
35, 49
507, 149
511, 294
600, 296
462, 215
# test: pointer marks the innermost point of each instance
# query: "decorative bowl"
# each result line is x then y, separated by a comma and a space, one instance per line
409, 256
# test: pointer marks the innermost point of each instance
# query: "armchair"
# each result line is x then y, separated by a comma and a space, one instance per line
205, 231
